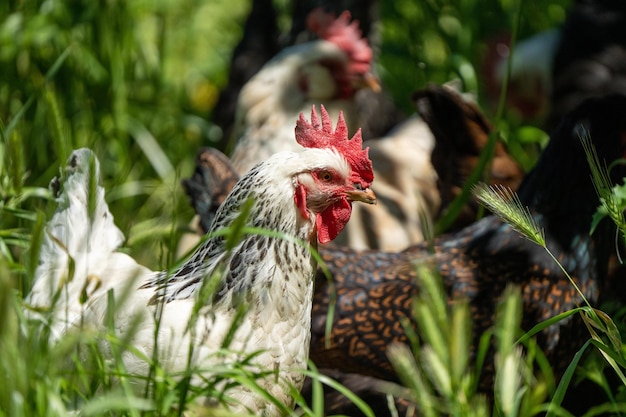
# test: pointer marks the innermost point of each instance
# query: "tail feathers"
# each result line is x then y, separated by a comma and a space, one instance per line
79, 243
83, 222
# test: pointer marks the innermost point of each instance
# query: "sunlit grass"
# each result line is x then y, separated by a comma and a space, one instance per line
441, 369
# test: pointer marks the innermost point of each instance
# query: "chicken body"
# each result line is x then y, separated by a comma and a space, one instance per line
421, 167
300, 197
270, 275
79, 247
375, 290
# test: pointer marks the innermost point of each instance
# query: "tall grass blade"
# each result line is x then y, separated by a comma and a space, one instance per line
151, 148
460, 341
565, 381
609, 202
49, 75
358, 402
413, 378
505, 204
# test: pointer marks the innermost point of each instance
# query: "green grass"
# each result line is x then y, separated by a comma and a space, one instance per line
136, 81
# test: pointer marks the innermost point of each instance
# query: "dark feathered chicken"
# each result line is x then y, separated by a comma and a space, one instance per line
421, 166
213, 172
375, 289
461, 133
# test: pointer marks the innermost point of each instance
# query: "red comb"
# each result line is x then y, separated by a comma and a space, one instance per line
320, 134
344, 34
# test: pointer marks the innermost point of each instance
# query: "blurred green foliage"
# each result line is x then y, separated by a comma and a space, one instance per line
434, 41
134, 80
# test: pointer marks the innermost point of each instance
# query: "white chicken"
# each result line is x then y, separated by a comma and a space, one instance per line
328, 71
301, 198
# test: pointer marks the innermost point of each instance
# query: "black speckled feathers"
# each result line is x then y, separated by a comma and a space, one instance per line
375, 289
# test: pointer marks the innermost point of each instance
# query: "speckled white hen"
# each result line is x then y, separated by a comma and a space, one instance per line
305, 197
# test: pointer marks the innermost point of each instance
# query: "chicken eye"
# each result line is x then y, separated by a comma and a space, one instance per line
326, 176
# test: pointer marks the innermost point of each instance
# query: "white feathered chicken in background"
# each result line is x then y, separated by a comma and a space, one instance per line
79, 258
328, 71
304, 197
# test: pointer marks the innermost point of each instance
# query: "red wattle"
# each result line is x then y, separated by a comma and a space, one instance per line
331, 221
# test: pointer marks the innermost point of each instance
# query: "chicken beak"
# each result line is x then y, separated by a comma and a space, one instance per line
369, 80
364, 196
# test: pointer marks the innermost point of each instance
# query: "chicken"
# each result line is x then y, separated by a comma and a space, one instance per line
375, 290
421, 166
301, 197
412, 190
327, 71
582, 58
461, 134
79, 258
261, 40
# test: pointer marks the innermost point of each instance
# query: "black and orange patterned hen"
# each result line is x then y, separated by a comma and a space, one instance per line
375, 290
